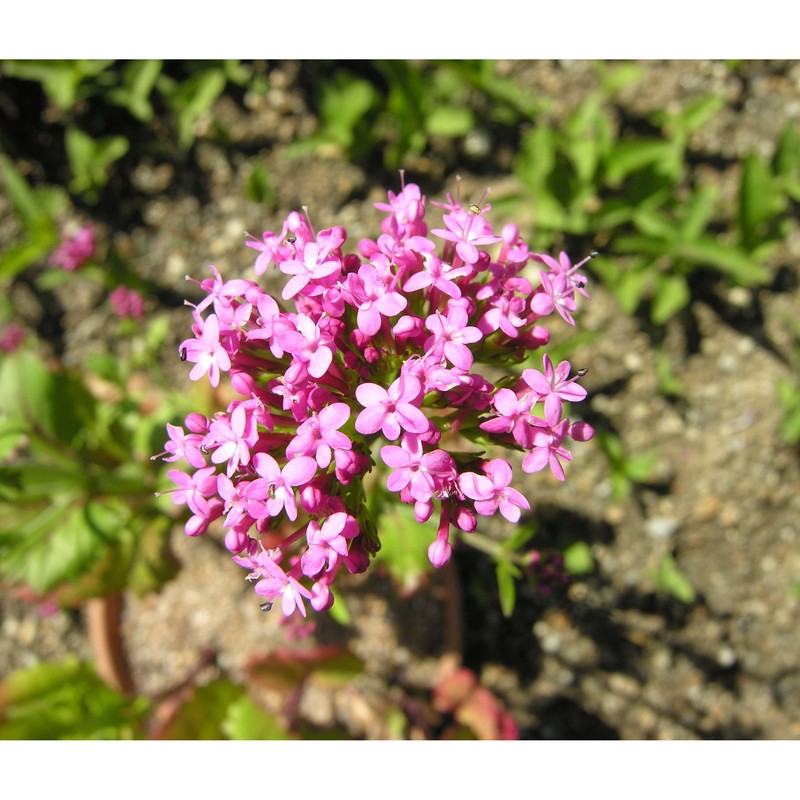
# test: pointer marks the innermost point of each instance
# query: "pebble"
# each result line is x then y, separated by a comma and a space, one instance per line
660, 528
726, 656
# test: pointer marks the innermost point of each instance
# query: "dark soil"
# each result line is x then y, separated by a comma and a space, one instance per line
609, 656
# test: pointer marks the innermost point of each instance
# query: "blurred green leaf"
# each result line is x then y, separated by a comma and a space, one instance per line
696, 114
38, 246
506, 572
578, 559
670, 579
138, 81
22, 197
61, 80
284, 669
668, 383
192, 98
259, 188
90, 160
789, 400
729, 260
66, 700
630, 155
670, 295
450, 121
760, 201
404, 547
204, 714
698, 212
245, 721
787, 151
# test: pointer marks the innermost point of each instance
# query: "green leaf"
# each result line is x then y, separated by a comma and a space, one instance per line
578, 559
58, 405
760, 201
245, 721
193, 98
668, 383
787, 151
615, 76
506, 587
344, 105
449, 121
404, 545
639, 467
697, 213
697, 114
66, 700
37, 247
727, 259
138, 81
670, 295
54, 545
19, 193
90, 160
632, 155
283, 669
669, 578
203, 715
339, 611
631, 289
259, 187
60, 80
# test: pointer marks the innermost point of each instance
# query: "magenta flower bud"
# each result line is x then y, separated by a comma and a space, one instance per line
581, 431
321, 596
439, 552
236, 541
197, 423
196, 525
465, 518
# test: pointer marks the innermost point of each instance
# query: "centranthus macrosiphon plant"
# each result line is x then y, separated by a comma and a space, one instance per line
366, 375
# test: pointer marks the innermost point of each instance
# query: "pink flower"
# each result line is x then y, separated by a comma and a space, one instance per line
437, 274
467, 230
373, 299
314, 266
127, 303
74, 251
279, 483
554, 387
308, 345
422, 473
391, 411
492, 491
451, 335
273, 583
210, 355
11, 338
233, 438
547, 450
329, 543
319, 435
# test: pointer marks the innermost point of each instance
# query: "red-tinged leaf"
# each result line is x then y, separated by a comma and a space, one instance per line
285, 669
473, 706
201, 714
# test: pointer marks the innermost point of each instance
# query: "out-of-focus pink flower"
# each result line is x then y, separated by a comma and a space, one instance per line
127, 303
74, 251
11, 337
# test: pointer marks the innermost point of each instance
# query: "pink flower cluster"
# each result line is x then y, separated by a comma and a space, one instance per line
74, 251
127, 303
368, 360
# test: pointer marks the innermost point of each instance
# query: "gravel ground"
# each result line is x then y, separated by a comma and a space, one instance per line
611, 656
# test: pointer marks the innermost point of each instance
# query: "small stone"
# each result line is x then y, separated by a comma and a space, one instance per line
660, 528
726, 656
